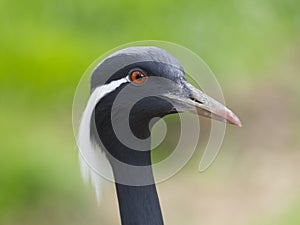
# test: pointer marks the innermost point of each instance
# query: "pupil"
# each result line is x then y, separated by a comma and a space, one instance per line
139, 76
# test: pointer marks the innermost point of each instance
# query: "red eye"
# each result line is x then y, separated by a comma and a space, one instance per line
138, 77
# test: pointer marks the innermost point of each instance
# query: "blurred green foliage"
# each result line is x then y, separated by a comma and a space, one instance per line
45, 47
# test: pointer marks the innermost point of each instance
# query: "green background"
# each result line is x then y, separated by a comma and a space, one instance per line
252, 46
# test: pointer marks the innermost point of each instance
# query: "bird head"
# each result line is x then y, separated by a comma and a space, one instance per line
143, 83
130, 89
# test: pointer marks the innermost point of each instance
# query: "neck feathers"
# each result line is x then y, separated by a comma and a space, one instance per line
139, 205
135, 186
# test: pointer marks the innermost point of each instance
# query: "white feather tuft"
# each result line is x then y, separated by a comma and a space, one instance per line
93, 161
85, 170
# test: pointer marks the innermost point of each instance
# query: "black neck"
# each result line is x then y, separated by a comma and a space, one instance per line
139, 205
137, 195
138, 201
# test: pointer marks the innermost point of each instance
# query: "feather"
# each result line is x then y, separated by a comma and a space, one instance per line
93, 162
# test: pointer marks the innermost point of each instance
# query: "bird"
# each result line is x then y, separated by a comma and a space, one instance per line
129, 89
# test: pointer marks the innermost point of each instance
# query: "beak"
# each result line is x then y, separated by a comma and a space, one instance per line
195, 101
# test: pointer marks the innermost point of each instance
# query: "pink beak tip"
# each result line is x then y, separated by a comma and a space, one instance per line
233, 119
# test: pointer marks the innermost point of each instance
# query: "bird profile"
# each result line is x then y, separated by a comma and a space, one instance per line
129, 89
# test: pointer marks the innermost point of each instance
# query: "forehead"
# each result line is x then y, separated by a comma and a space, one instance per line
155, 61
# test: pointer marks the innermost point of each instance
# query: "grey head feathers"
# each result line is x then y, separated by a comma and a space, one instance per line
133, 55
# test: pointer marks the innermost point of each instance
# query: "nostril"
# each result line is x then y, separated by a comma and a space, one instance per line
196, 100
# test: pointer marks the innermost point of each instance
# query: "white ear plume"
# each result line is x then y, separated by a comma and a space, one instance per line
92, 159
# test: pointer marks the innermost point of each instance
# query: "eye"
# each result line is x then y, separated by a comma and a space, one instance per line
137, 77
